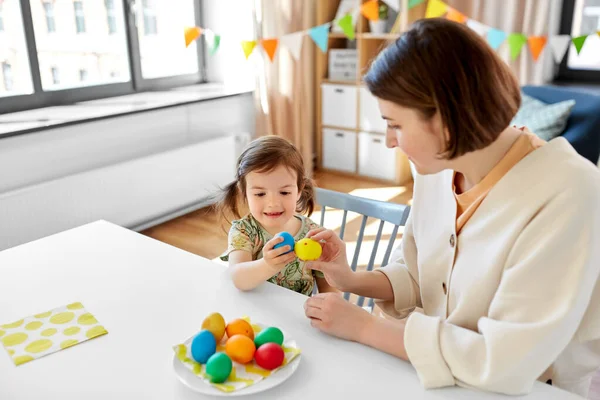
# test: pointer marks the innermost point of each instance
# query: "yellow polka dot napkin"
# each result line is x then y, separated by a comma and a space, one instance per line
241, 375
46, 333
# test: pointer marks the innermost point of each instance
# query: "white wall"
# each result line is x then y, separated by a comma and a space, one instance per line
129, 170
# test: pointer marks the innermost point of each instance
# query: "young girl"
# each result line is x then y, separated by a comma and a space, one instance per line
270, 177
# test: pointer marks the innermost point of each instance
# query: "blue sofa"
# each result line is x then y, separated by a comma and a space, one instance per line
583, 125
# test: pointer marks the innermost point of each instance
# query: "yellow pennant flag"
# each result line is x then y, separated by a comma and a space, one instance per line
191, 34
435, 9
248, 46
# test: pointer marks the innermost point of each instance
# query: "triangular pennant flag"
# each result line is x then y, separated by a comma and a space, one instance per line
393, 4
293, 42
559, 45
495, 37
212, 40
346, 24
370, 10
248, 46
536, 45
598, 33
456, 16
270, 46
414, 3
578, 42
435, 8
516, 42
478, 27
191, 34
320, 35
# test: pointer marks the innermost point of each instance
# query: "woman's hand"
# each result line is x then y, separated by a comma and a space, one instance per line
333, 261
276, 259
330, 313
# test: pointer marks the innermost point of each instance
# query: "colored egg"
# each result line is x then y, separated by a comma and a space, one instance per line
269, 335
239, 327
269, 356
203, 346
216, 324
218, 367
240, 348
308, 249
288, 240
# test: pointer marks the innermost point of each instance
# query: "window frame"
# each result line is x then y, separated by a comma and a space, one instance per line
565, 73
40, 98
80, 25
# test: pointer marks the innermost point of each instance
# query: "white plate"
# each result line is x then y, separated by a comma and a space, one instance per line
195, 383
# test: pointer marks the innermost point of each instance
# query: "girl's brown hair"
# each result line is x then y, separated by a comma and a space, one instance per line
264, 155
443, 66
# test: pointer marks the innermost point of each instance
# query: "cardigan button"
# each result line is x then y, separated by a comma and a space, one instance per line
452, 240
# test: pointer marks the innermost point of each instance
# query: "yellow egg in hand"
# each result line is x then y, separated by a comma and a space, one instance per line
308, 249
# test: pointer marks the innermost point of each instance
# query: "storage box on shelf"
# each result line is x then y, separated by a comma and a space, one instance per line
350, 130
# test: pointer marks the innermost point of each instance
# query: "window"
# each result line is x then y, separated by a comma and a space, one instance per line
1, 17
79, 16
149, 13
111, 18
7, 76
15, 75
167, 43
49, 12
581, 17
55, 76
74, 58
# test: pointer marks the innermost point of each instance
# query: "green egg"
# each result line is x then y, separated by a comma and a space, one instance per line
269, 335
218, 367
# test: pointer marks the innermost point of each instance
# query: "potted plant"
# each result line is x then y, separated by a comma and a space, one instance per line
378, 27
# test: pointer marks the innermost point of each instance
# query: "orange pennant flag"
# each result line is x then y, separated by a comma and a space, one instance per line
371, 10
248, 46
270, 46
536, 45
456, 16
191, 34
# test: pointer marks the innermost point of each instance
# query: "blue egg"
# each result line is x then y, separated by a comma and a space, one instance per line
288, 240
204, 345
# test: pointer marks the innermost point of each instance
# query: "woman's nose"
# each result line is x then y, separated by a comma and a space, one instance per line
391, 141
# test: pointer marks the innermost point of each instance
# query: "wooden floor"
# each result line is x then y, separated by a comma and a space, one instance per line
202, 232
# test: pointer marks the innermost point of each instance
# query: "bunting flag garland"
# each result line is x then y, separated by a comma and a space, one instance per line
435, 8
320, 35
346, 24
190, 34
456, 16
578, 42
559, 45
495, 37
370, 9
516, 41
536, 45
270, 47
248, 46
414, 3
293, 43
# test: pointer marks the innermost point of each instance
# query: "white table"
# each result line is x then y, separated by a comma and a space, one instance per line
150, 296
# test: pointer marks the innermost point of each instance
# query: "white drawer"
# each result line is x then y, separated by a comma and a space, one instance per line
338, 105
374, 158
370, 116
339, 150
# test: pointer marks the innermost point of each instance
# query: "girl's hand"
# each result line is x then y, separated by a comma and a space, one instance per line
275, 258
330, 313
333, 261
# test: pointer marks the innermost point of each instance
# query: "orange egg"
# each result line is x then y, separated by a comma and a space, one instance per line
239, 327
240, 348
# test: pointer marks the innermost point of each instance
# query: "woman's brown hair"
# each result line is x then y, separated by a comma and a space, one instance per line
443, 66
264, 155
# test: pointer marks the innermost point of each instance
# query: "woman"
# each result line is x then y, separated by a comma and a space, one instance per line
501, 249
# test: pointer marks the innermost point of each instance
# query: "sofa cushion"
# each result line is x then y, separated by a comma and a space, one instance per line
545, 120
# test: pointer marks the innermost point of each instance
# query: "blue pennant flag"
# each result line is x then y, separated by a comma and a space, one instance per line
495, 38
320, 35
